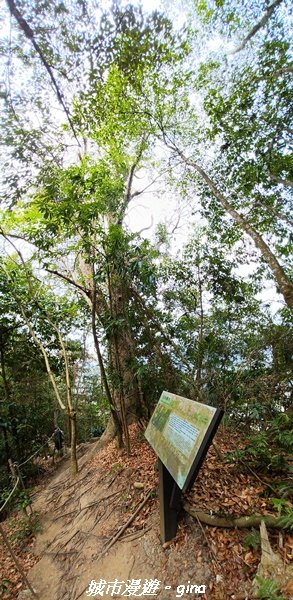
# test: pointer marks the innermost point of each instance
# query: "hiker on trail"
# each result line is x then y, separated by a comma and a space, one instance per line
58, 437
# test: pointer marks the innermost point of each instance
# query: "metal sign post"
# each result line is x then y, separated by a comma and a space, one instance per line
170, 503
181, 432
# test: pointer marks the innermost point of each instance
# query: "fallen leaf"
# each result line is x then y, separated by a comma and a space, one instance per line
289, 587
250, 559
138, 485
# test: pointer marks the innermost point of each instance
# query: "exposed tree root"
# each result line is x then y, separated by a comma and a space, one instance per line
124, 527
118, 535
231, 521
108, 435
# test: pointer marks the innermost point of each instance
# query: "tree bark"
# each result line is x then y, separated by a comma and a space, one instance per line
119, 350
115, 418
200, 354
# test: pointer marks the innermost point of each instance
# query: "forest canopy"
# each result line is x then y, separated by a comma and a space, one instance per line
105, 111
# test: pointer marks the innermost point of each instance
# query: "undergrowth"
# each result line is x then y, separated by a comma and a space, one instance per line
23, 529
268, 589
268, 450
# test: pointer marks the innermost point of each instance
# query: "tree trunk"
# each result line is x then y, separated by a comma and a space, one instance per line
44, 353
284, 284
110, 433
70, 409
113, 406
122, 353
6, 444
73, 458
10, 409
200, 352
69, 429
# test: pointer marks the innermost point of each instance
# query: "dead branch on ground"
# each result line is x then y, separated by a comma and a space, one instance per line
231, 521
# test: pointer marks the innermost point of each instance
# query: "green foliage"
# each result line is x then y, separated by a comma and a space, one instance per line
192, 323
268, 589
284, 489
285, 512
116, 468
252, 539
5, 585
268, 449
23, 500
5, 492
80, 195
92, 410
23, 529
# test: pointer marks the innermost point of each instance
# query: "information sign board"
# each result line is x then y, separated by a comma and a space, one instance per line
180, 432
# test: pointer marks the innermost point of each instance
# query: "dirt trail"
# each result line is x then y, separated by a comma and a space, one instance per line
80, 517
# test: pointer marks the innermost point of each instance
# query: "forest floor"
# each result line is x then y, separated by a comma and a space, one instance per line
80, 519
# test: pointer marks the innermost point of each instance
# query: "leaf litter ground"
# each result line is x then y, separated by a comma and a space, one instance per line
81, 517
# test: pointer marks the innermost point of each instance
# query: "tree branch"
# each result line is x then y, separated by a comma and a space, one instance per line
128, 195
71, 281
284, 284
276, 213
232, 521
28, 32
286, 182
283, 71
43, 351
268, 13
154, 320
104, 378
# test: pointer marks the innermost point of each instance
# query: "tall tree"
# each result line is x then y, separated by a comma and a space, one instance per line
43, 317
236, 139
84, 205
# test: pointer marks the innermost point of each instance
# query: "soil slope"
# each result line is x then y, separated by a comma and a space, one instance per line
81, 518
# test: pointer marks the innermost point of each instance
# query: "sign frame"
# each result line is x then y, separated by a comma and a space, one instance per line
170, 494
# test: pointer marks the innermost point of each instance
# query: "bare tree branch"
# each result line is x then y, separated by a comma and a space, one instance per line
285, 182
28, 32
284, 284
268, 13
139, 192
71, 281
283, 71
146, 228
128, 195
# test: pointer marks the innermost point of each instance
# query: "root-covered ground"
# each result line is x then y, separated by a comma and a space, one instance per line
80, 519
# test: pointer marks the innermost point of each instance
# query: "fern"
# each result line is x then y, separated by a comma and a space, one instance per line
268, 589
252, 539
286, 519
